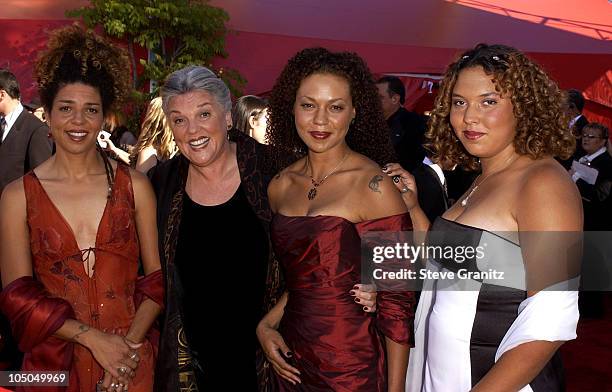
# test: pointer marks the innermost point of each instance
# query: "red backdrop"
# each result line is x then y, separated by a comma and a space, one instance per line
260, 57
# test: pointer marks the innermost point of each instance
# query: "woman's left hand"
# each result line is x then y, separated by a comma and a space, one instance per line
110, 146
404, 182
365, 295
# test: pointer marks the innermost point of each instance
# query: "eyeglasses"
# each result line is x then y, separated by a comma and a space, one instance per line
587, 136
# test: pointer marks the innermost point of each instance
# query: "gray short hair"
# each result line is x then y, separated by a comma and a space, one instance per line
195, 78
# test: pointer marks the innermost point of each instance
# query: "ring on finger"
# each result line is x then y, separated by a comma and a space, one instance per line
404, 190
134, 356
396, 179
122, 370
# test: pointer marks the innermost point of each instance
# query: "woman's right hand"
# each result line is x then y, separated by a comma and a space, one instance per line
111, 384
273, 346
404, 182
112, 353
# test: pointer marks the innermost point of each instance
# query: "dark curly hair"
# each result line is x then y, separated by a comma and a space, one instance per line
74, 55
538, 105
367, 135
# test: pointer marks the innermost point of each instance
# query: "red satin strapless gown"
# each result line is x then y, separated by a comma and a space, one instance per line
104, 300
336, 345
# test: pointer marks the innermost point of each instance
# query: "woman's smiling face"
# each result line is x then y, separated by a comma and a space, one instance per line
323, 111
482, 118
199, 125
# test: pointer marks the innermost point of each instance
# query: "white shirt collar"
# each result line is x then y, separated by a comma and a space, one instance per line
10, 119
573, 121
594, 155
435, 168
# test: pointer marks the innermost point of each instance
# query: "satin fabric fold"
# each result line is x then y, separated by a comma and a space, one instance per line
150, 286
395, 315
336, 345
35, 316
546, 316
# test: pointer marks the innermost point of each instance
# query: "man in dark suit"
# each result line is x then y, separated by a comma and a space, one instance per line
407, 128
575, 104
597, 206
596, 197
432, 191
24, 138
24, 144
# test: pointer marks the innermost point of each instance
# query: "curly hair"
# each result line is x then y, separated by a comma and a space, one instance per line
538, 106
368, 134
74, 55
155, 132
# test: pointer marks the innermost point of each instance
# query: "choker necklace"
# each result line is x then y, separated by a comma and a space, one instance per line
475, 186
312, 193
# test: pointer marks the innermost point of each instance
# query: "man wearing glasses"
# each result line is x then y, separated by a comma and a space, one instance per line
596, 202
595, 196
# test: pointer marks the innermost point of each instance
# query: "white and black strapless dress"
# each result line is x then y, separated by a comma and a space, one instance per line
463, 326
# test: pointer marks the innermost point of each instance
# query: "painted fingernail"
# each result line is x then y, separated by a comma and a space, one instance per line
357, 300
356, 287
289, 354
352, 292
365, 308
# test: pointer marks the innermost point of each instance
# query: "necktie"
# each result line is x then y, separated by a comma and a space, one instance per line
2, 126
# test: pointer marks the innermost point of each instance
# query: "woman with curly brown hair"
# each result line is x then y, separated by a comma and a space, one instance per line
325, 107
499, 326
75, 229
155, 143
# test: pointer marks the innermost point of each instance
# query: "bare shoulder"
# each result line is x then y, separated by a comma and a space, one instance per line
548, 199
377, 192
372, 179
147, 152
143, 190
13, 200
138, 178
283, 180
547, 176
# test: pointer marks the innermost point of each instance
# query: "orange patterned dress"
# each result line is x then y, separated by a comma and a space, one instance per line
106, 299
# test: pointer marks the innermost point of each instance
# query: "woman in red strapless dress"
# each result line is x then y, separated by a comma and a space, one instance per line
74, 232
324, 202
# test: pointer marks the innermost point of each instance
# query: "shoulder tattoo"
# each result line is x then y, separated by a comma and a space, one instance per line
374, 184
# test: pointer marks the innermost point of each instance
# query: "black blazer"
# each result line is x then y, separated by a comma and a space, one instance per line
408, 134
26, 146
579, 124
432, 195
596, 198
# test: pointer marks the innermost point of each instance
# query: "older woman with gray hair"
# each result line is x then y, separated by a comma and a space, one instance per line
213, 220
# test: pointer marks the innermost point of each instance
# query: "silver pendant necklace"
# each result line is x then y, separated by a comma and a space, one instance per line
312, 193
475, 186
